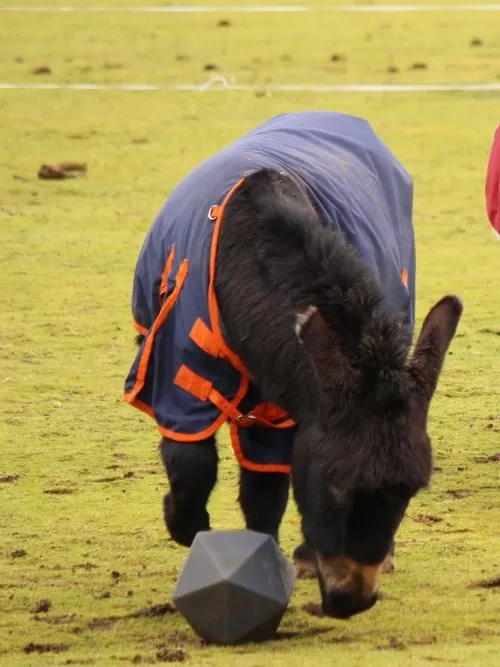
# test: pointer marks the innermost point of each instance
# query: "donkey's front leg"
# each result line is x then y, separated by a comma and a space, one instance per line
192, 472
263, 499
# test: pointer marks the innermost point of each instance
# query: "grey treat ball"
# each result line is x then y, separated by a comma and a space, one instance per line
235, 586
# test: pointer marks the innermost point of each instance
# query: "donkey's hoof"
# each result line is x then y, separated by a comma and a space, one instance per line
388, 565
305, 562
305, 569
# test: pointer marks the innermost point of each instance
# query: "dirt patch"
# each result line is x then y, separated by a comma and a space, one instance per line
487, 330
487, 583
62, 491
45, 648
492, 458
61, 170
18, 553
224, 23
85, 566
210, 67
392, 69
115, 575
419, 66
105, 480
313, 608
79, 661
156, 611
394, 643
427, 519
43, 69
476, 41
460, 493
425, 640
171, 655
308, 632
337, 58
181, 58
9, 479
42, 606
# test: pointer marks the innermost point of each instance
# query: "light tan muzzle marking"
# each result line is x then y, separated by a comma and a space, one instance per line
344, 575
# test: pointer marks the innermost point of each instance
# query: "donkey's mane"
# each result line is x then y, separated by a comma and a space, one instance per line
340, 283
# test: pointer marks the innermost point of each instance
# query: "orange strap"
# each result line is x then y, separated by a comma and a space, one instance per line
204, 390
204, 338
166, 272
158, 323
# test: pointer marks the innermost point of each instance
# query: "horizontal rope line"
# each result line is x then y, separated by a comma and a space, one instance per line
223, 85
179, 9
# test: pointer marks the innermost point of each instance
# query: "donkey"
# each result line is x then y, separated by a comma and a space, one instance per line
275, 291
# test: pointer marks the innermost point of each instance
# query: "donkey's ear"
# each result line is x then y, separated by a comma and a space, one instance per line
324, 347
312, 331
437, 332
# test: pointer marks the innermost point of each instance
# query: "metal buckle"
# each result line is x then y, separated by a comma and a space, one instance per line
251, 418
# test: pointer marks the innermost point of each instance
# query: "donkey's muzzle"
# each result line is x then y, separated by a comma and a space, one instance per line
343, 605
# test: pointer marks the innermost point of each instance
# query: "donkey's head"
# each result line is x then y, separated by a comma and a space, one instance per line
356, 468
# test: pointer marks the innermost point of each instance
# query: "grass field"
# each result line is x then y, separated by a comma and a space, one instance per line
80, 479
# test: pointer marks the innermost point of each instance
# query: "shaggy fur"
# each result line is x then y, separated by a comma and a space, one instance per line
306, 316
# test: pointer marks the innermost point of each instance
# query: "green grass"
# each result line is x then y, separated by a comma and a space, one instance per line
176, 48
67, 254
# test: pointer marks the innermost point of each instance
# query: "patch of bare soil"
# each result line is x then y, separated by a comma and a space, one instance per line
492, 458
18, 553
156, 611
171, 655
85, 566
32, 647
394, 643
307, 632
43, 69
427, 519
487, 583
460, 493
9, 479
425, 640
60, 491
313, 608
42, 606
61, 170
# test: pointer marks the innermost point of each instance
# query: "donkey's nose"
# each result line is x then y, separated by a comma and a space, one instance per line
343, 605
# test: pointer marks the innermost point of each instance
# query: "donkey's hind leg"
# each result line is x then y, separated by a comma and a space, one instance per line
192, 472
263, 498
